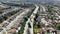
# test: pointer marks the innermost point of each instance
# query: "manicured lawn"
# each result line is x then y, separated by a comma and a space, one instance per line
35, 30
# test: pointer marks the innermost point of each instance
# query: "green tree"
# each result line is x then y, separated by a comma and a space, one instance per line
1, 11
58, 26
25, 19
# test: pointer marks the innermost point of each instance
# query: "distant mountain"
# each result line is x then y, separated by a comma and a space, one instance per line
32, 1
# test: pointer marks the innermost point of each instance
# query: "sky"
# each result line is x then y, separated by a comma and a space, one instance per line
32, 0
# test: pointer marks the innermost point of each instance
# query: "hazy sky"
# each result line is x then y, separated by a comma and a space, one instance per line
32, 0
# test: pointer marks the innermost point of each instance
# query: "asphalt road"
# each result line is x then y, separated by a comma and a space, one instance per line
31, 20
18, 18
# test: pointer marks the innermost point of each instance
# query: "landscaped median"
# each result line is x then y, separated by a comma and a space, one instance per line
24, 22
